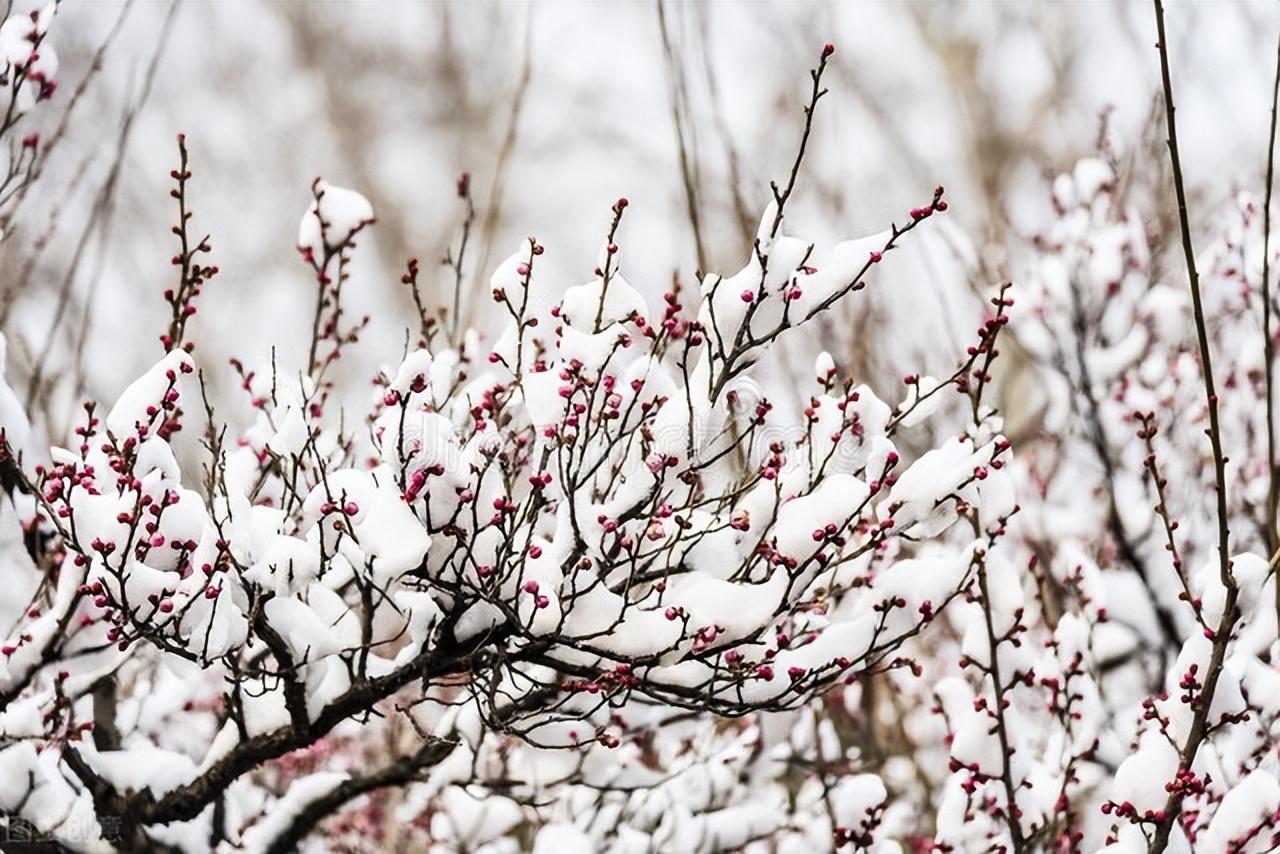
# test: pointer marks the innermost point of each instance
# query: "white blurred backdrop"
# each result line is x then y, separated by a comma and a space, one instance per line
558, 109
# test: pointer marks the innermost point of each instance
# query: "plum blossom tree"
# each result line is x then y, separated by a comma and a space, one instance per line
521, 572
588, 585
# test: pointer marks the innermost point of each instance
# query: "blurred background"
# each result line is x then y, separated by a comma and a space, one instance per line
558, 109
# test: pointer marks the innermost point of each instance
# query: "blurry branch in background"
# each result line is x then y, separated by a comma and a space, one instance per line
997, 143
50, 142
686, 137
27, 70
1268, 343
439, 95
493, 205
10, 288
27, 76
355, 122
39, 392
740, 207
468, 104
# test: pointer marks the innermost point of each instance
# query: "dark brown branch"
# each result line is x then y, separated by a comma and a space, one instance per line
187, 801
1011, 812
106, 734
1202, 329
1199, 723
1268, 344
403, 771
1098, 439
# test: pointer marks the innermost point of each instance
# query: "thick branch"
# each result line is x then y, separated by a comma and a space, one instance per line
398, 773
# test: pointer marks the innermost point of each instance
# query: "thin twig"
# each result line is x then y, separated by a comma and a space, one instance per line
1193, 277
456, 261
102, 206
1268, 343
1199, 723
780, 197
77, 97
